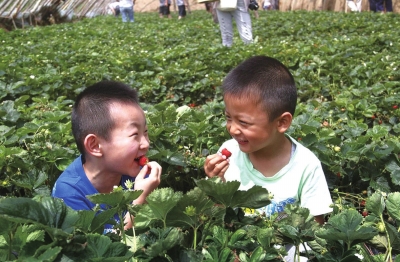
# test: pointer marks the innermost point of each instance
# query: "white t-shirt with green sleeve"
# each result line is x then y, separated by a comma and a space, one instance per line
301, 180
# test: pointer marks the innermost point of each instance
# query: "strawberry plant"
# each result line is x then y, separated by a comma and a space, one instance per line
346, 71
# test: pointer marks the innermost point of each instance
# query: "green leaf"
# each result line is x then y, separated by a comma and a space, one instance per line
162, 200
50, 254
346, 226
225, 255
375, 204
5, 225
101, 247
228, 195
237, 236
265, 236
145, 217
195, 198
393, 205
258, 254
115, 198
394, 170
51, 212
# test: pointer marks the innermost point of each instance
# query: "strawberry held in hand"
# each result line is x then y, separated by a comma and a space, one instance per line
143, 160
226, 153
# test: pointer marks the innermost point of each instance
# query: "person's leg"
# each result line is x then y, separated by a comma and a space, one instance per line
372, 5
169, 12
183, 11
243, 22
180, 11
226, 28
389, 5
379, 5
124, 14
256, 15
130, 14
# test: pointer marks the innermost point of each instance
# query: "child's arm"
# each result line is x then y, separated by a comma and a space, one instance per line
147, 184
216, 165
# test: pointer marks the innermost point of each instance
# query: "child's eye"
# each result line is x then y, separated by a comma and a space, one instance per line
243, 123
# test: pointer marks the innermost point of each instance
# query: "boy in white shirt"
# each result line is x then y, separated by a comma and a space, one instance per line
260, 100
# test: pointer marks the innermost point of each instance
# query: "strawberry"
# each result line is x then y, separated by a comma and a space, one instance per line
143, 160
226, 153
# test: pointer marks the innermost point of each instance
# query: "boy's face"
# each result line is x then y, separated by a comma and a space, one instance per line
248, 123
128, 140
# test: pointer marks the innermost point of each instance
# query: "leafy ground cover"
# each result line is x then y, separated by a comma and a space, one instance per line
346, 68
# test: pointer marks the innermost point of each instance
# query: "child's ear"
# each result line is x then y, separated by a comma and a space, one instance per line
284, 122
92, 145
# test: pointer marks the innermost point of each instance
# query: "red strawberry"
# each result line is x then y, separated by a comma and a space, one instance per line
365, 213
226, 153
143, 160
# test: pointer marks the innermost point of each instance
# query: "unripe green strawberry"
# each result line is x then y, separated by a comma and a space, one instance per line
381, 227
226, 153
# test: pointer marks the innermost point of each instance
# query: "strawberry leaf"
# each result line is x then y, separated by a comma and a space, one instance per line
346, 226
375, 204
393, 205
228, 195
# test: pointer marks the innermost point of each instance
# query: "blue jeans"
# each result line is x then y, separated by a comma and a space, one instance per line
127, 12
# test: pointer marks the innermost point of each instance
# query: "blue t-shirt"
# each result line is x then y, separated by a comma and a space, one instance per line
73, 186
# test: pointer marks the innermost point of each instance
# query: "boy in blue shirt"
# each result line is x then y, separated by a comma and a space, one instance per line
110, 131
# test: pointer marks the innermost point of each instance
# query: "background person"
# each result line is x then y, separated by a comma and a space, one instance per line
126, 8
114, 8
243, 23
165, 8
181, 8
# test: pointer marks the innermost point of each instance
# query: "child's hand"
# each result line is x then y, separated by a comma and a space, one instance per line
216, 165
147, 181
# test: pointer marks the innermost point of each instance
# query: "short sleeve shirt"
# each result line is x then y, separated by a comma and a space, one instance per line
73, 186
301, 181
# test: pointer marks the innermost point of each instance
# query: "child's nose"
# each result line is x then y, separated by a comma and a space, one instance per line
144, 143
233, 128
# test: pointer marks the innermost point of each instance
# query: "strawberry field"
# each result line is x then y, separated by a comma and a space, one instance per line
346, 67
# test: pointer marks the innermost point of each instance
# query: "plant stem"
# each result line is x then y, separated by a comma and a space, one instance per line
194, 238
389, 246
121, 226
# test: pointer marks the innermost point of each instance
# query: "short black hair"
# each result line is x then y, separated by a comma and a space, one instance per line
266, 81
91, 110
